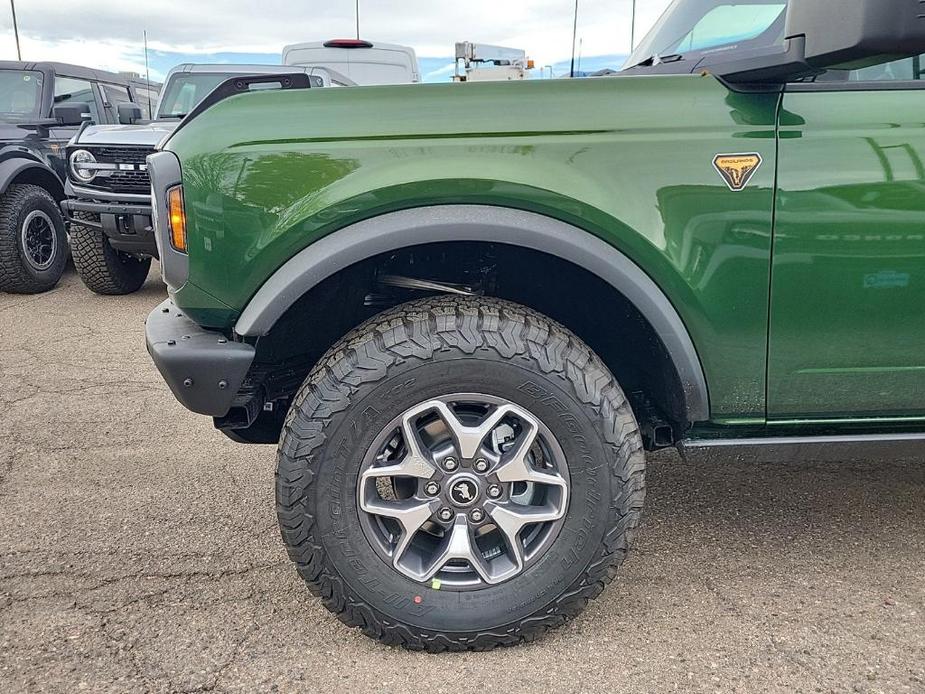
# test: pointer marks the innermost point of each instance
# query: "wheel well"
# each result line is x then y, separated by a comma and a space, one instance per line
567, 293
38, 176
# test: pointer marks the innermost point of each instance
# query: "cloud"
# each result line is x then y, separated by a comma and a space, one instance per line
108, 33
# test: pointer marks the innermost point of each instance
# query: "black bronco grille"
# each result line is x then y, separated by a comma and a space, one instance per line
135, 180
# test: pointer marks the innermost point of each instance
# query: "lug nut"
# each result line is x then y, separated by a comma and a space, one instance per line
450, 464
445, 514
477, 515
481, 465
494, 491
432, 489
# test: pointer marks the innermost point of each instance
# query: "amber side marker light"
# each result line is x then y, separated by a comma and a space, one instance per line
177, 218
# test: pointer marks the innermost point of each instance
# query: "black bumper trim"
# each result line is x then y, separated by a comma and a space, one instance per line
128, 226
203, 369
71, 206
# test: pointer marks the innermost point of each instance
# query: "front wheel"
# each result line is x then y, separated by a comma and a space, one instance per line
459, 474
33, 240
103, 269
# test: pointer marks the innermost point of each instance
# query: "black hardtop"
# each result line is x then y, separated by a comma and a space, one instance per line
68, 70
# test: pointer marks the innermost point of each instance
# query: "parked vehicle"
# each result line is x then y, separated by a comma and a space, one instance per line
479, 62
466, 313
41, 107
146, 93
363, 62
108, 189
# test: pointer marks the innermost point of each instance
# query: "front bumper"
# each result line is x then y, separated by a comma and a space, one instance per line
127, 225
203, 368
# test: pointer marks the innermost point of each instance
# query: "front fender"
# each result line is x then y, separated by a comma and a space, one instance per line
435, 224
11, 168
627, 160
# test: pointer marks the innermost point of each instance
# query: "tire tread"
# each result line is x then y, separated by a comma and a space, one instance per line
14, 276
413, 332
103, 269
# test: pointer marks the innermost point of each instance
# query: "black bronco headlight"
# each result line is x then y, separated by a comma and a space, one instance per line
81, 162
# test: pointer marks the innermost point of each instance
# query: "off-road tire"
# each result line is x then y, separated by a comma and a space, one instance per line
101, 267
16, 274
393, 359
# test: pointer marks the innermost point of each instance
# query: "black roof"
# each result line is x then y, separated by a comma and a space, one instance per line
67, 70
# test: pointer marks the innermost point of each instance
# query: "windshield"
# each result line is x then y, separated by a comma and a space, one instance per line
701, 26
184, 91
20, 94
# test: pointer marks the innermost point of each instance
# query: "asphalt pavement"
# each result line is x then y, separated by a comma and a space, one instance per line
139, 552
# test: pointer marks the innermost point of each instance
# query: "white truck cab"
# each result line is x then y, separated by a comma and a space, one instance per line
363, 62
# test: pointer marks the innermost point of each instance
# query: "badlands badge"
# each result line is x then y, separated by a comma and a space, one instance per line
737, 169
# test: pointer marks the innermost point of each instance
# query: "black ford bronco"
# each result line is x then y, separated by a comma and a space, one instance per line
41, 107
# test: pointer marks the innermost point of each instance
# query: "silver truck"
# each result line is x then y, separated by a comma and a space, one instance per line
108, 190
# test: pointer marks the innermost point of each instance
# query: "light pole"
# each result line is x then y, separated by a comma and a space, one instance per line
633, 29
574, 35
15, 29
358, 20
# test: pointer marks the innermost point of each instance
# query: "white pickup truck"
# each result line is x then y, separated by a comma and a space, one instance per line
108, 189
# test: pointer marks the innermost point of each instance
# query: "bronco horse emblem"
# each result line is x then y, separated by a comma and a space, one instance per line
737, 169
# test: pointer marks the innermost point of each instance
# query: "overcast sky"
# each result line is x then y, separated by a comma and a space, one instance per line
108, 33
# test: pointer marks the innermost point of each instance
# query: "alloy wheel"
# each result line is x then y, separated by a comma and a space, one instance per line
39, 240
464, 491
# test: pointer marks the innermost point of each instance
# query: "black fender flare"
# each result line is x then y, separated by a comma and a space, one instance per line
413, 227
11, 168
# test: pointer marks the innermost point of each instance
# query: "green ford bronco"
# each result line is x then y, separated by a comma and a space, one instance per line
466, 311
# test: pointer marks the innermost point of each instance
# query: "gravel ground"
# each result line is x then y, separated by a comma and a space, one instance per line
139, 552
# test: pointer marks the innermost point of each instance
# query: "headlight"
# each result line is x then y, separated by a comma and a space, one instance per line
79, 169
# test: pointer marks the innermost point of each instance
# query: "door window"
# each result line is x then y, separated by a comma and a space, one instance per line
147, 99
70, 90
113, 96
905, 70
899, 70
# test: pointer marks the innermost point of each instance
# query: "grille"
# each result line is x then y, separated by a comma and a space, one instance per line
136, 181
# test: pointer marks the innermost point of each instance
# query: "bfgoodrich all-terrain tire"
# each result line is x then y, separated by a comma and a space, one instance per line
33, 240
459, 474
101, 267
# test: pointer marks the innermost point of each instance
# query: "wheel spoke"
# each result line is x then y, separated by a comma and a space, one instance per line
410, 514
459, 544
515, 466
413, 464
511, 519
469, 439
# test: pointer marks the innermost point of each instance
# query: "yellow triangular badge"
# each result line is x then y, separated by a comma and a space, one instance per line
737, 169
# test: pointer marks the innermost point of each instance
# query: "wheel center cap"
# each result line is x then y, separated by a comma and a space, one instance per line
464, 491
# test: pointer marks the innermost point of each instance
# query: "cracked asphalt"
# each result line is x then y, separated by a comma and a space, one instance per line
139, 552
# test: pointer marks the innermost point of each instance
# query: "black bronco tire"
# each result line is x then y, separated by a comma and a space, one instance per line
472, 363
101, 267
33, 240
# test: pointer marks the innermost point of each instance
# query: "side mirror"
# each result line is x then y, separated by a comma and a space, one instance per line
857, 33
821, 35
71, 113
129, 114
